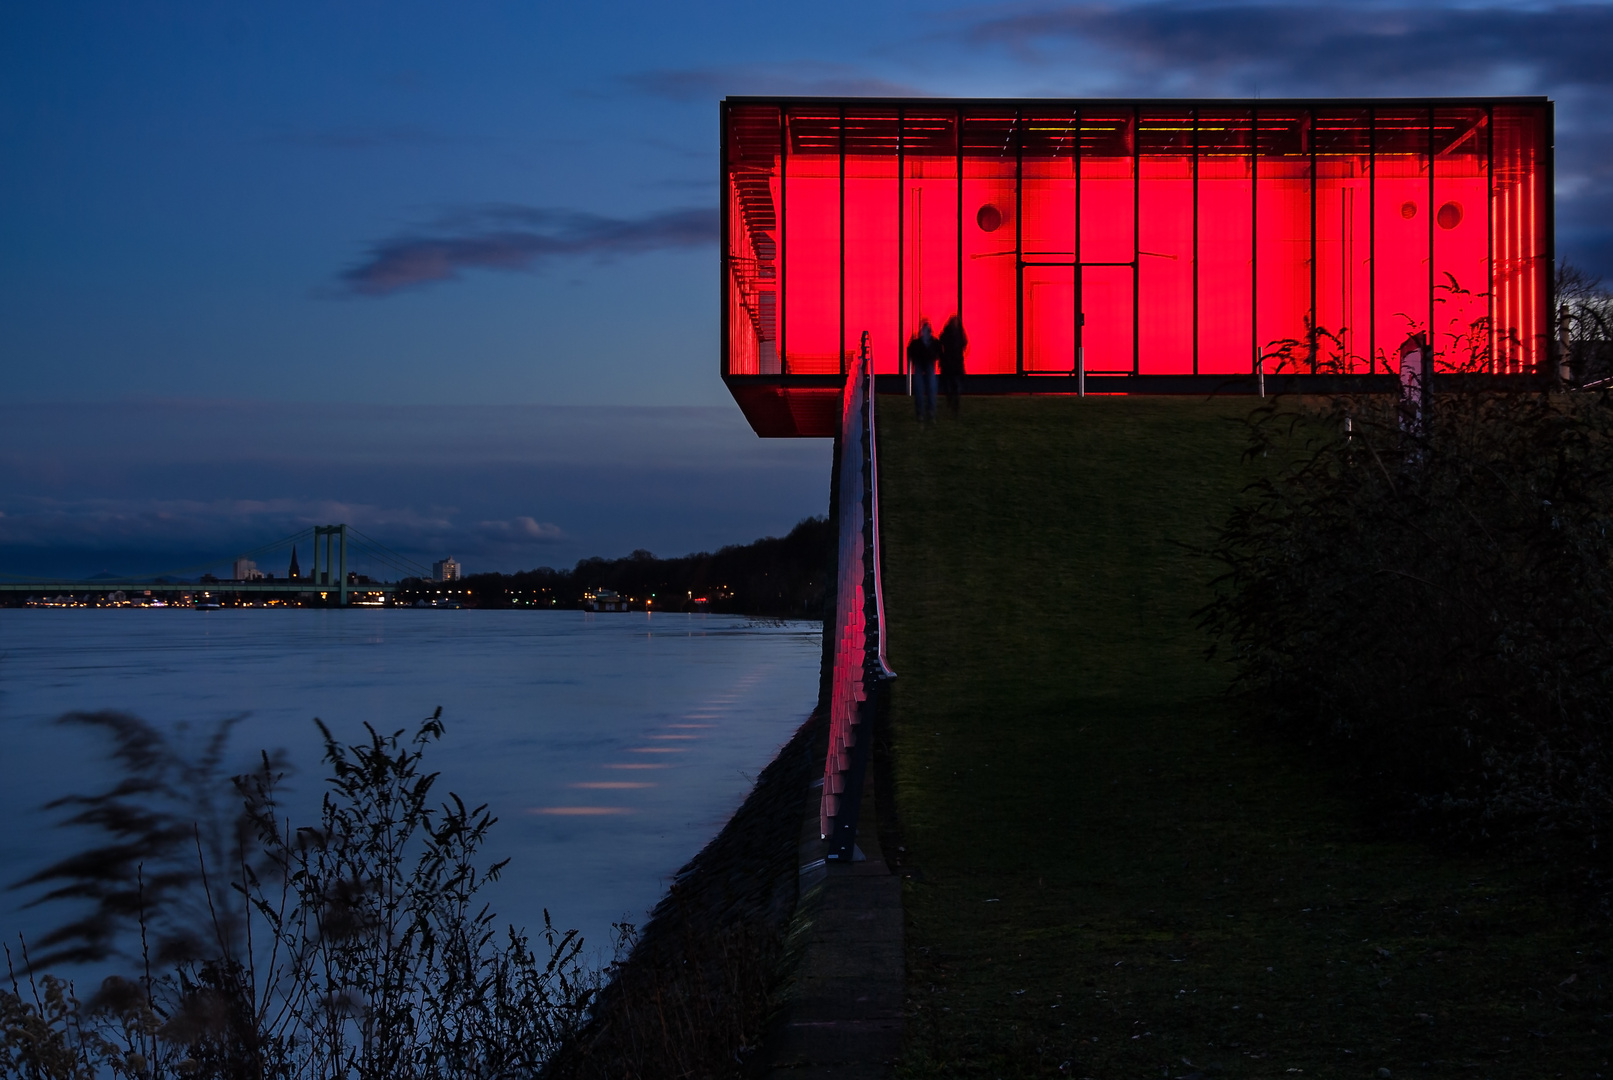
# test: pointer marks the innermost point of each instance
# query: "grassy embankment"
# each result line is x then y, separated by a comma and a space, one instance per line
1108, 877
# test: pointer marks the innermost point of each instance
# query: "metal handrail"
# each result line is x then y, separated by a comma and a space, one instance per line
860, 671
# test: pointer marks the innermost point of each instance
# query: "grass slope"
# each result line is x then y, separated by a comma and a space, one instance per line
1108, 879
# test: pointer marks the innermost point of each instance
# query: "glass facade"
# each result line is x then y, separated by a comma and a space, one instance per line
1150, 240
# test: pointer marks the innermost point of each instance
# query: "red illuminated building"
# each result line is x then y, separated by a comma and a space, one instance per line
1159, 246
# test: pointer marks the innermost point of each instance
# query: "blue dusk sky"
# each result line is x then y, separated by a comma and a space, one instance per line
448, 272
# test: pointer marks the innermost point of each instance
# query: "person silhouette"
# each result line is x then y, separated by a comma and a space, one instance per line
922, 353
953, 342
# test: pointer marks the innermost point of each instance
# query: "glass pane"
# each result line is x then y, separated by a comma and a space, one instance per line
1226, 335
753, 184
1283, 239
1107, 139
989, 229
1165, 242
1518, 205
1106, 333
1049, 319
1047, 194
812, 242
1461, 240
1343, 240
930, 254
873, 204
1400, 197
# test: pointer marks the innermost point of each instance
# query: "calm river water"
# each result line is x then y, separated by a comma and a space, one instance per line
611, 747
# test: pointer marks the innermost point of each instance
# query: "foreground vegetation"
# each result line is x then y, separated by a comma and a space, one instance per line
354, 946
1434, 611
1110, 873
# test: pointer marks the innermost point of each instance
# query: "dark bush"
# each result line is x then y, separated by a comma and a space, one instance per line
1435, 612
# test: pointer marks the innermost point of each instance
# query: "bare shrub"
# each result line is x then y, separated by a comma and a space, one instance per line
1436, 611
356, 947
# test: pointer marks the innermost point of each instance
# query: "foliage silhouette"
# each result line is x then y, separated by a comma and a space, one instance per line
353, 947
1436, 609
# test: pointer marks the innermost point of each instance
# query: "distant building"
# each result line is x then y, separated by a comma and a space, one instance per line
604, 600
247, 570
296, 571
445, 570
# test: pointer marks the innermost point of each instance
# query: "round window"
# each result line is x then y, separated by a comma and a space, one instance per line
1408, 209
989, 218
1450, 215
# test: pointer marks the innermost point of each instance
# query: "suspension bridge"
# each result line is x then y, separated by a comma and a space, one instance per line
328, 577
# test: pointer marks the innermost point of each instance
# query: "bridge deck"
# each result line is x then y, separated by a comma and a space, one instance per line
192, 587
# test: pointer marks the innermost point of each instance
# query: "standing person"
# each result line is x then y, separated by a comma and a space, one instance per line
922, 353
953, 342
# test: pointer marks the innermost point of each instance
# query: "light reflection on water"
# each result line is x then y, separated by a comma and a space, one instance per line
611, 746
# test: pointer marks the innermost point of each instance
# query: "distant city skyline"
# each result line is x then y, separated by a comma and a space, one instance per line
289, 215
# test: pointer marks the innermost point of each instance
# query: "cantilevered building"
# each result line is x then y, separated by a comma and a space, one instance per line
1156, 246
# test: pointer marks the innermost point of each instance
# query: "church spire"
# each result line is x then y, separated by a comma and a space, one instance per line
295, 571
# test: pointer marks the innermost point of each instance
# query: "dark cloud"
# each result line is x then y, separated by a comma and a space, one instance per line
514, 238
802, 78
524, 527
1180, 47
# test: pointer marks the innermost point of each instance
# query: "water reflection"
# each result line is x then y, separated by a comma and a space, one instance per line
611, 746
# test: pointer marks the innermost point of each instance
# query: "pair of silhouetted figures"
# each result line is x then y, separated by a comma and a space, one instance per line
924, 353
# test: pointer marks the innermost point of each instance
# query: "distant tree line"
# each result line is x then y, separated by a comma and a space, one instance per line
777, 577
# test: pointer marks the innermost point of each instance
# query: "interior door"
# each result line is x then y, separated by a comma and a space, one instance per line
1106, 303
1052, 333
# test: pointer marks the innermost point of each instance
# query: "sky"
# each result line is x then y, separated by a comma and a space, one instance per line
448, 272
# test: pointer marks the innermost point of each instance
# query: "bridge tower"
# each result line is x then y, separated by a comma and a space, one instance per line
331, 536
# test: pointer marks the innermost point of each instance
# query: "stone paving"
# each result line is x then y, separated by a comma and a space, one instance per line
841, 1010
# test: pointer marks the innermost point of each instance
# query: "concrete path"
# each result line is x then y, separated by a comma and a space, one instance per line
842, 1011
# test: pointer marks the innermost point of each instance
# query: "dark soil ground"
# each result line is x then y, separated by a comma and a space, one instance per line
1109, 874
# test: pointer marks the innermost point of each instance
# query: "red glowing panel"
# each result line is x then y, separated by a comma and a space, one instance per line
1226, 239
873, 201
1283, 239
1343, 148
1106, 302
1461, 244
1108, 201
1402, 221
990, 227
811, 248
1519, 238
1050, 329
1047, 238
1165, 265
930, 250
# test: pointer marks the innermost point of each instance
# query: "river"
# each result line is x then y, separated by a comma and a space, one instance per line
610, 746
